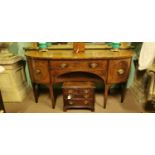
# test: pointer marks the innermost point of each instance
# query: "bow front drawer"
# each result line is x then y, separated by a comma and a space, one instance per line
118, 70
39, 71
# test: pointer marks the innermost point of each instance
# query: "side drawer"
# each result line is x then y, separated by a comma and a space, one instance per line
39, 71
79, 102
78, 91
84, 96
118, 70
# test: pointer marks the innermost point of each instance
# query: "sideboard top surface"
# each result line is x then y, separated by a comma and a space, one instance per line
88, 54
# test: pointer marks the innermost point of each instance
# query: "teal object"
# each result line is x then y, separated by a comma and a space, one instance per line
42, 45
115, 45
109, 43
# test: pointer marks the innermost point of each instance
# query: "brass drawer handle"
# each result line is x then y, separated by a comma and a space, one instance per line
69, 97
120, 71
93, 65
37, 71
1, 111
70, 91
86, 91
85, 102
86, 96
70, 102
63, 65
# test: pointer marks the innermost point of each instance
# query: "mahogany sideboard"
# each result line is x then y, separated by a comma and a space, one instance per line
54, 66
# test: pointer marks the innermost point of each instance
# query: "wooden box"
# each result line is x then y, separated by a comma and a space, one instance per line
78, 95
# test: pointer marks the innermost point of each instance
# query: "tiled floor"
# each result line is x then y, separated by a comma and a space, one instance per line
130, 105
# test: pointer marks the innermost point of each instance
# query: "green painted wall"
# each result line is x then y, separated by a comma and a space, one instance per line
17, 48
137, 49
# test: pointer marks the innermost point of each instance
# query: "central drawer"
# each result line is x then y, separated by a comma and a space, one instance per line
78, 64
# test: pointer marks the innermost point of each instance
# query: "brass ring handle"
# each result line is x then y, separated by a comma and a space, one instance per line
1, 111
93, 65
70, 102
86, 96
86, 91
69, 97
63, 65
38, 71
85, 102
120, 71
70, 91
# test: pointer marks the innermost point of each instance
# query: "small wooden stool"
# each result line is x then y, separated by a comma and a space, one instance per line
78, 95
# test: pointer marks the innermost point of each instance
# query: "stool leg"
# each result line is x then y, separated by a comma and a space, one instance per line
92, 110
64, 110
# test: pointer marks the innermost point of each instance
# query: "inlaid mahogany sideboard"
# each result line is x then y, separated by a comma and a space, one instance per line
54, 66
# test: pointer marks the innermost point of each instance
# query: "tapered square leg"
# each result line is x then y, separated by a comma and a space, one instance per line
35, 92
1, 103
123, 93
50, 87
107, 87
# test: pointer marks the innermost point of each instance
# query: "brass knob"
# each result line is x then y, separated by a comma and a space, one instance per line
69, 97
86, 96
1, 111
120, 71
93, 65
86, 91
63, 65
70, 102
85, 102
70, 91
38, 71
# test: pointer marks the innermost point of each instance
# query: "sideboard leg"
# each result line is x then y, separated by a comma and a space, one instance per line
52, 95
107, 86
123, 93
35, 92
1, 103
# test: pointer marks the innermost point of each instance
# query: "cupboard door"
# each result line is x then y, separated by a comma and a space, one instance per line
118, 70
39, 71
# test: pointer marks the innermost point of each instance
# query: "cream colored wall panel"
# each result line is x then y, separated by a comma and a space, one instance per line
12, 95
5, 81
13, 83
